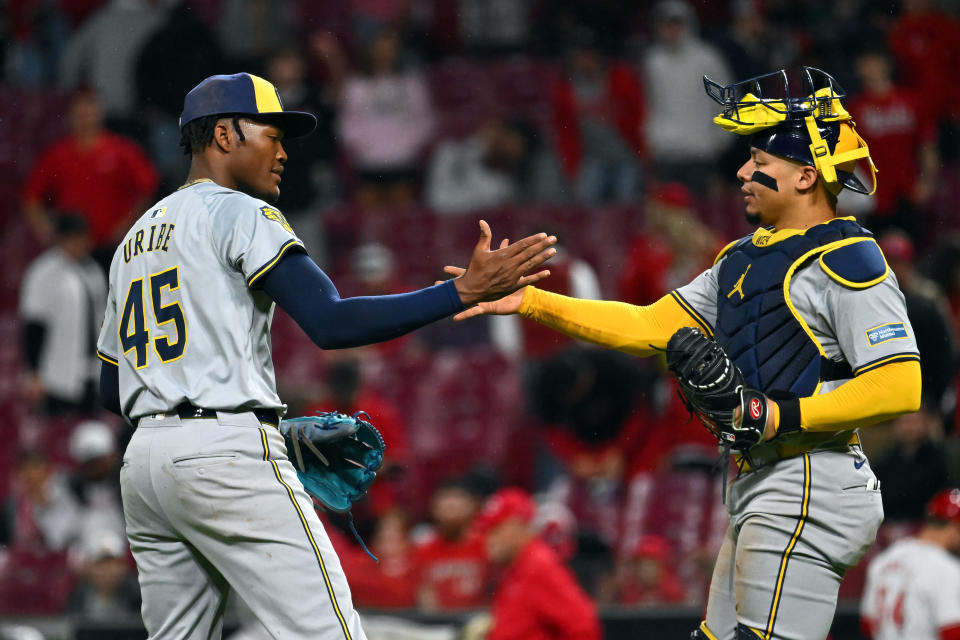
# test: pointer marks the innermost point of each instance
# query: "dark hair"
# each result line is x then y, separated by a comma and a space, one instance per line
197, 134
70, 224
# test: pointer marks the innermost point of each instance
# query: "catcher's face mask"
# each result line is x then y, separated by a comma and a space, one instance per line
813, 128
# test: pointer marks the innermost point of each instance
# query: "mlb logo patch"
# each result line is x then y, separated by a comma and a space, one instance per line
886, 332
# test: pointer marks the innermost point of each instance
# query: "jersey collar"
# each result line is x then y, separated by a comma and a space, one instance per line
764, 237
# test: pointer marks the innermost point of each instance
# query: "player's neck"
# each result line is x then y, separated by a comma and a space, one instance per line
202, 169
805, 217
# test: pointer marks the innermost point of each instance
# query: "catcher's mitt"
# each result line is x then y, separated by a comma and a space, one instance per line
713, 388
344, 453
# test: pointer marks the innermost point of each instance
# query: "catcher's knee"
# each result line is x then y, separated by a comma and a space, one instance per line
703, 633
747, 633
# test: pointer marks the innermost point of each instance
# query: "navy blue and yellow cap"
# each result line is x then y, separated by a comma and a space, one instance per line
246, 94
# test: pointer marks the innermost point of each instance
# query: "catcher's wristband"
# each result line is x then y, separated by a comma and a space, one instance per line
753, 414
788, 407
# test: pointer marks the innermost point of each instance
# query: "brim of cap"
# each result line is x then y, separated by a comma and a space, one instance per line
293, 123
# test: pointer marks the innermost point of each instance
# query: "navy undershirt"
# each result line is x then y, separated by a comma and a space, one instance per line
304, 291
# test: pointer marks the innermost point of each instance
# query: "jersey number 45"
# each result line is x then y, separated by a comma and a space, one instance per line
134, 334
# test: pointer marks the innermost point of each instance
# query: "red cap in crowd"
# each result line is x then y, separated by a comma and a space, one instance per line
897, 246
504, 505
673, 194
945, 506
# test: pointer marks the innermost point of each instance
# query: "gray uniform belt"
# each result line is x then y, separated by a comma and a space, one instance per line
187, 411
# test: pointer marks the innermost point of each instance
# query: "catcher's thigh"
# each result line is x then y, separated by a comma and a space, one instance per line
794, 530
230, 493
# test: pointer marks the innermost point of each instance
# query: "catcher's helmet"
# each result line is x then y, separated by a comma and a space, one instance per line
945, 506
813, 128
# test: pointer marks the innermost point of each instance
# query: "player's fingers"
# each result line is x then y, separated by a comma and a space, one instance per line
504, 243
483, 244
535, 249
472, 312
530, 241
454, 271
531, 260
534, 277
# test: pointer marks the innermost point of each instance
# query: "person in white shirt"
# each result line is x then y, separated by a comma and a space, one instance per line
913, 587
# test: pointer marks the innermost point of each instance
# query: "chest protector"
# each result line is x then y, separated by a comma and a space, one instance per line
757, 327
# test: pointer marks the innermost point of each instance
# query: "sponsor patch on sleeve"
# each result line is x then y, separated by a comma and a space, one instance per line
886, 332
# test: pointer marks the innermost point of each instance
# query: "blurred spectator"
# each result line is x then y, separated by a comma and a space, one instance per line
346, 393
598, 117
674, 247
105, 177
903, 143
107, 590
930, 317
309, 175
451, 559
926, 44
95, 481
502, 162
391, 583
386, 121
537, 597
750, 44
648, 576
251, 30
913, 587
41, 515
102, 53
914, 466
681, 138
35, 34
494, 27
180, 53
62, 298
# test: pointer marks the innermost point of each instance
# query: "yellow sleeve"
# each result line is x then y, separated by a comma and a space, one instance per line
874, 396
616, 325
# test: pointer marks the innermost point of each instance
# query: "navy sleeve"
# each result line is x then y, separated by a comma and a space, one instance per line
110, 387
298, 285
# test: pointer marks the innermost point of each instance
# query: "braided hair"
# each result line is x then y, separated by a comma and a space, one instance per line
197, 134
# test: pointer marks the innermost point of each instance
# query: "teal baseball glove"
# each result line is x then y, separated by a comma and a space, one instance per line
342, 458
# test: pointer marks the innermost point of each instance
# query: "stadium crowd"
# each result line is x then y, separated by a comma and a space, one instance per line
586, 119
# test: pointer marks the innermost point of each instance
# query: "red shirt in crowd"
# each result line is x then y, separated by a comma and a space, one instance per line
103, 182
927, 47
453, 573
622, 105
539, 599
894, 125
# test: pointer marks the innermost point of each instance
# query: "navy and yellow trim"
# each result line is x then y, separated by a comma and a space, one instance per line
724, 251
262, 271
705, 631
306, 529
879, 362
857, 263
699, 319
785, 559
108, 359
193, 182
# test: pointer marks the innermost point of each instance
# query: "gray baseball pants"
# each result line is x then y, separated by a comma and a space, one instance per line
214, 504
795, 527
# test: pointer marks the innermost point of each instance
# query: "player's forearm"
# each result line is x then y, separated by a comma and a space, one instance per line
299, 286
874, 396
617, 325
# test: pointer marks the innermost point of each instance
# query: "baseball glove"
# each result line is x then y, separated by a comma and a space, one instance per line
342, 458
713, 389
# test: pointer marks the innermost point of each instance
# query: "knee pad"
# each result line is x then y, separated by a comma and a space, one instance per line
746, 633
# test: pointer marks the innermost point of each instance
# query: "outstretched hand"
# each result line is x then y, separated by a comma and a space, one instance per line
493, 274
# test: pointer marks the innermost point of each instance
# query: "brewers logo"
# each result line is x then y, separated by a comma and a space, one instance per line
272, 214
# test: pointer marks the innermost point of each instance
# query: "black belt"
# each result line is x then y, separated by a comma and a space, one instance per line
187, 411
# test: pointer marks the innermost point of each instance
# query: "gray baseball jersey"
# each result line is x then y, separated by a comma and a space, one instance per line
182, 321
797, 523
